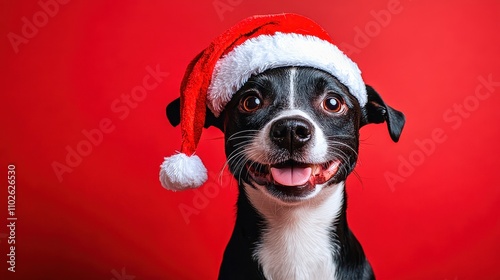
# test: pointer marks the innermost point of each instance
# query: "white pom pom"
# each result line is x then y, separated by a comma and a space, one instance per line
179, 172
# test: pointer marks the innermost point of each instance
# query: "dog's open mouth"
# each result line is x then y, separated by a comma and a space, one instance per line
291, 177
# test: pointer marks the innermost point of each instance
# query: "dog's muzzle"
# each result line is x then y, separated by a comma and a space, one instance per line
292, 172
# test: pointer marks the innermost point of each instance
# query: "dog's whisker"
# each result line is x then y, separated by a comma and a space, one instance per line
344, 153
340, 136
358, 177
342, 144
250, 132
237, 159
239, 162
240, 168
242, 143
234, 154
244, 138
234, 157
336, 151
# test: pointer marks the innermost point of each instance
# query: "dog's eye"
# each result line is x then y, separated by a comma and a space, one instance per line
332, 104
250, 103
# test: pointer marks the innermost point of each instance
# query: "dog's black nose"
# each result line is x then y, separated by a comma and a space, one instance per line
291, 133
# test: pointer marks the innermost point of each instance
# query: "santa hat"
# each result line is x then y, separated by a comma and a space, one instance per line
252, 46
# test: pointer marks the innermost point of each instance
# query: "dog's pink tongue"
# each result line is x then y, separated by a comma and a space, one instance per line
291, 176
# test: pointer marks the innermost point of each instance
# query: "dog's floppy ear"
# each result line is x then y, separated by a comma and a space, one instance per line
174, 112
174, 108
174, 116
376, 111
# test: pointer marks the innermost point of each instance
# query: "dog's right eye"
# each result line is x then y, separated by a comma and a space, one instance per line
250, 103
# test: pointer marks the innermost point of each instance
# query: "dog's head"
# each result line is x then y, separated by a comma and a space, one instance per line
291, 132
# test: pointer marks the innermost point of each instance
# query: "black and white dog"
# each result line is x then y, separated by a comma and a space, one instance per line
291, 140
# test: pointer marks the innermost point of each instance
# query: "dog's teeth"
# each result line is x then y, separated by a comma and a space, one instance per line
316, 169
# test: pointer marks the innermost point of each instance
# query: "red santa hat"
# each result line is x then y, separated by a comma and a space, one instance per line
252, 46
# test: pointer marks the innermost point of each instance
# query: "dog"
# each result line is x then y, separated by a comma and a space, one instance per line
291, 141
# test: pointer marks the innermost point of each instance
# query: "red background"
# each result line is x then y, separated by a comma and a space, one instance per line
109, 218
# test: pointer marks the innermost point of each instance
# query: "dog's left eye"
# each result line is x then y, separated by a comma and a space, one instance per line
251, 103
333, 104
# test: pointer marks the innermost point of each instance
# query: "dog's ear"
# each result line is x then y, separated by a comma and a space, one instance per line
212, 120
376, 111
174, 108
174, 112
174, 116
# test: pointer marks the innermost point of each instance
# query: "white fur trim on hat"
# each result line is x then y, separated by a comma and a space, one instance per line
179, 172
265, 52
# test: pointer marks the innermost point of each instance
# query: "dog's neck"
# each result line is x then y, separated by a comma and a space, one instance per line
299, 241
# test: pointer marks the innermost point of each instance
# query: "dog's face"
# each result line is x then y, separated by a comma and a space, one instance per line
291, 132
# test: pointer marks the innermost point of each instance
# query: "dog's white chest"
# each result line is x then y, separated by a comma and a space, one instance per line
296, 243
296, 254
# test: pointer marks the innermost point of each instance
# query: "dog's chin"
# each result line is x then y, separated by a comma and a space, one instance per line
290, 181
